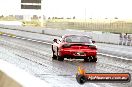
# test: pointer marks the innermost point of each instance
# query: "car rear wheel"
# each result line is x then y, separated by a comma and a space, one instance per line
59, 57
93, 59
54, 57
86, 60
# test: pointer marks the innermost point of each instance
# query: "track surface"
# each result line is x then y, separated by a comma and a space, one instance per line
35, 58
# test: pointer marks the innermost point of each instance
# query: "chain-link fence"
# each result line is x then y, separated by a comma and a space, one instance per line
116, 26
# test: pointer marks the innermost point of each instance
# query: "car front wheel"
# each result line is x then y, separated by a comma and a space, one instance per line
86, 60
60, 58
93, 59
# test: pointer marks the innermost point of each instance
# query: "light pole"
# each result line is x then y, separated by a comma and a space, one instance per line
41, 11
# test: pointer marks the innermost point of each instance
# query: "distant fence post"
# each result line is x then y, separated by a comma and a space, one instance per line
42, 31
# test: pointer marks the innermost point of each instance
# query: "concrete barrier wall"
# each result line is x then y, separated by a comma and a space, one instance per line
6, 81
12, 76
97, 36
106, 38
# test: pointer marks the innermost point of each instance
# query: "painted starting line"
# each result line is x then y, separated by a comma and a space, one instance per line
39, 41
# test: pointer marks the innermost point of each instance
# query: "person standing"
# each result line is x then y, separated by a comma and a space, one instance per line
121, 39
129, 40
125, 39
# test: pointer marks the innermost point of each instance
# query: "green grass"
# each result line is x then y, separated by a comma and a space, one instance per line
116, 26
8, 19
31, 23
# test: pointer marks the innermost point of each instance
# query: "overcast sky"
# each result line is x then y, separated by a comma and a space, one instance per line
70, 8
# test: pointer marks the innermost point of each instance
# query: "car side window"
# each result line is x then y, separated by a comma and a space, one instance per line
68, 40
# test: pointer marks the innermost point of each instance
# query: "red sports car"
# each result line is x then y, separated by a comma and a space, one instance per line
74, 46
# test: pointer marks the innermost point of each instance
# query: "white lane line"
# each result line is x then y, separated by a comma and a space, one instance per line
4, 34
114, 56
8, 35
47, 43
34, 40
39, 41
18, 37
23, 38
29, 39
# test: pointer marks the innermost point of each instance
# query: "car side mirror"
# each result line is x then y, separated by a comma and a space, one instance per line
93, 42
55, 40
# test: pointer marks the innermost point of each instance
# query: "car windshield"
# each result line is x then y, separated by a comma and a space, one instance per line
78, 39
